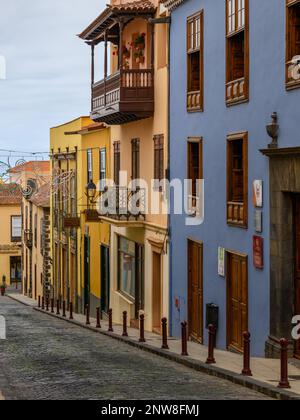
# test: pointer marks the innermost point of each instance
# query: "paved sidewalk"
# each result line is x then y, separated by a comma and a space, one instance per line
266, 372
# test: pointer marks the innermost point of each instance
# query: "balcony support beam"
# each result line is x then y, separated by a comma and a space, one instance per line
121, 29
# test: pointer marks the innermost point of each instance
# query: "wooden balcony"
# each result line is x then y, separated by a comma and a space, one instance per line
126, 96
236, 91
236, 214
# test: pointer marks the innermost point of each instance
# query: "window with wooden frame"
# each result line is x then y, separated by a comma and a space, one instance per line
237, 180
237, 51
102, 168
117, 162
292, 44
89, 165
195, 47
195, 173
16, 228
135, 159
159, 159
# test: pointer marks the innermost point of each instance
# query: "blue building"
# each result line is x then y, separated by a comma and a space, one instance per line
235, 122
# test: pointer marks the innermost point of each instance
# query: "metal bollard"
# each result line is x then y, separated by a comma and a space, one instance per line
110, 321
246, 370
164, 323
57, 307
43, 303
98, 318
212, 335
52, 306
39, 301
47, 304
87, 312
184, 339
64, 309
142, 329
284, 381
71, 310
125, 333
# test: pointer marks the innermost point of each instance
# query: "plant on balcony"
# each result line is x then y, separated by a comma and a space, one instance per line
126, 52
139, 56
139, 42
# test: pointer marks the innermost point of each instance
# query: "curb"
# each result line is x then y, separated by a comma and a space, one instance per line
247, 382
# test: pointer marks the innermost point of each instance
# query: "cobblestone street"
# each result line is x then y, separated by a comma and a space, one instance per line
45, 358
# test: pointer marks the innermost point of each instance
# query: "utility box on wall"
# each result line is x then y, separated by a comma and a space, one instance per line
212, 315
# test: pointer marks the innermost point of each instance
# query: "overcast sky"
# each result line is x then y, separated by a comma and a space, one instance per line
48, 68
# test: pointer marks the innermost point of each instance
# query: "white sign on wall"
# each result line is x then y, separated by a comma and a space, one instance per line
221, 262
258, 193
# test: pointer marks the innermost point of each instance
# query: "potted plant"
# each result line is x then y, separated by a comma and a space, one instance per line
126, 52
3, 286
139, 56
139, 41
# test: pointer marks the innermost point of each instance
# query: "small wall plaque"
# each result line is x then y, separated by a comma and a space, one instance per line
258, 193
221, 262
258, 223
258, 252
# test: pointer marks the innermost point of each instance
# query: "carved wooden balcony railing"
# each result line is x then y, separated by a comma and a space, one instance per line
126, 96
236, 91
194, 208
194, 101
292, 74
122, 203
28, 238
236, 214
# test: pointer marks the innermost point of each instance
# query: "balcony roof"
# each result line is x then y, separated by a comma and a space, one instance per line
108, 18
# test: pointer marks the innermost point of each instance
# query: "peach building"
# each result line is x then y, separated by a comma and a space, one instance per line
132, 98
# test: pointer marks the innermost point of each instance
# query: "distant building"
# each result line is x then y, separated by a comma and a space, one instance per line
10, 233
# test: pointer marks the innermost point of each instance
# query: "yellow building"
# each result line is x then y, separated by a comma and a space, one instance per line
10, 233
133, 99
80, 152
33, 180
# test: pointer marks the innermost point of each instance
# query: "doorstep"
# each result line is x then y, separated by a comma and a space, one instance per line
266, 372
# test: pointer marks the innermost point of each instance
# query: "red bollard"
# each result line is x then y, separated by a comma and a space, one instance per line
184, 339
142, 329
57, 307
98, 318
164, 323
212, 335
52, 306
110, 321
47, 304
284, 381
71, 310
247, 353
87, 312
39, 301
43, 303
64, 309
125, 333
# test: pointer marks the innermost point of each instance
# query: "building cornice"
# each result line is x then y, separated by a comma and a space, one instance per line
172, 4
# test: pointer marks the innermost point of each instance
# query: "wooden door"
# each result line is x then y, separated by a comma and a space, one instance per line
297, 264
105, 279
195, 291
237, 300
157, 293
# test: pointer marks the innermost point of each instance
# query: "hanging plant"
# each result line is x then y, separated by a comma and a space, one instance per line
126, 52
140, 42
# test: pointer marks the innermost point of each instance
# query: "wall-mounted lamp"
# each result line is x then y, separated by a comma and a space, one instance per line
273, 131
91, 193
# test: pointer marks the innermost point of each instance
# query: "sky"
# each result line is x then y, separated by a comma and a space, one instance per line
47, 69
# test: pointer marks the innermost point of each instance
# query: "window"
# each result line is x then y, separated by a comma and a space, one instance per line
195, 48
237, 179
102, 169
16, 228
237, 61
89, 165
159, 158
195, 172
117, 162
293, 44
131, 278
35, 229
135, 159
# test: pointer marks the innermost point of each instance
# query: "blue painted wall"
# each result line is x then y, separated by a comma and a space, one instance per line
267, 94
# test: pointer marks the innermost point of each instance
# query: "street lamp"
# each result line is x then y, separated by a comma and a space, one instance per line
91, 192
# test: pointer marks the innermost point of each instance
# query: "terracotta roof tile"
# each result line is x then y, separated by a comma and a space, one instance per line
41, 198
32, 166
10, 194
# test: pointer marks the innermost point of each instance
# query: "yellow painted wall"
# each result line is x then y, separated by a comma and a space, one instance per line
7, 248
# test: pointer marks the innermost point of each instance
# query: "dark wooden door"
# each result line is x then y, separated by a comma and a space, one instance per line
157, 294
237, 300
105, 279
195, 291
86, 270
297, 264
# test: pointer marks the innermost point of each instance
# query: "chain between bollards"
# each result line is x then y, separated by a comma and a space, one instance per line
164, 324
284, 377
125, 333
98, 318
212, 335
184, 339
